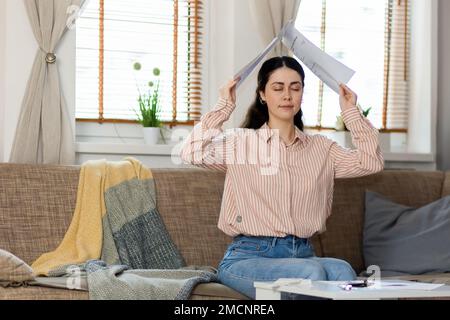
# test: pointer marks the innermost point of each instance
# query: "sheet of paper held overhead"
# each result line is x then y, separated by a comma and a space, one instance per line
324, 66
247, 70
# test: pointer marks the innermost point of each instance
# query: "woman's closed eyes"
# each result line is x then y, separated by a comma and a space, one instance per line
292, 88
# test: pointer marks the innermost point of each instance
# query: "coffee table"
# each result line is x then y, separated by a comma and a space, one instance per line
331, 290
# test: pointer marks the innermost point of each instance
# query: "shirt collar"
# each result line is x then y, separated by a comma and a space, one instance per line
267, 133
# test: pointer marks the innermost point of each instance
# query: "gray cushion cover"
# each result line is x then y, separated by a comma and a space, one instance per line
401, 239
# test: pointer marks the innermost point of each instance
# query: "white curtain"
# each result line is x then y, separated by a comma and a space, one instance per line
270, 16
44, 132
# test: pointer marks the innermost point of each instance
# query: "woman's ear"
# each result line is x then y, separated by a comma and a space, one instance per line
262, 95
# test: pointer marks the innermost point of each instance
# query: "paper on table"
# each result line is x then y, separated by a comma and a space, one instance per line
324, 66
292, 282
407, 285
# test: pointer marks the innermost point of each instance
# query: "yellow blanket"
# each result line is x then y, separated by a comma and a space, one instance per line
83, 239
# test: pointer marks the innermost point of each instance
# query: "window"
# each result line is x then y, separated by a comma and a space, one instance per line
114, 34
372, 38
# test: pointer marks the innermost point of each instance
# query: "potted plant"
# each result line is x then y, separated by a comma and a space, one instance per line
149, 108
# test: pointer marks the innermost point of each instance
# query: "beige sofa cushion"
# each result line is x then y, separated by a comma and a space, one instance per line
215, 291
446, 185
13, 269
41, 293
203, 291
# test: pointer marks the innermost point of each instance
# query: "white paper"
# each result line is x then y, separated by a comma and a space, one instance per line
406, 285
292, 282
324, 66
247, 70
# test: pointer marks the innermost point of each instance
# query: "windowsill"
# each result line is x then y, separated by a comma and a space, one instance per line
394, 149
403, 156
124, 148
394, 155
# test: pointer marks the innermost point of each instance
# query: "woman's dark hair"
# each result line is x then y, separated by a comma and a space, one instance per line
258, 113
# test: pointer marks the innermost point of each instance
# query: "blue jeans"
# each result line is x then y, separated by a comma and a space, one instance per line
250, 259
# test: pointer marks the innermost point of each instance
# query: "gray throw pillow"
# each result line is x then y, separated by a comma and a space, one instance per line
401, 239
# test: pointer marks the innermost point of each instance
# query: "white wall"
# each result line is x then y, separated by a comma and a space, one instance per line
248, 44
443, 127
220, 45
21, 47
2, 74
423, 76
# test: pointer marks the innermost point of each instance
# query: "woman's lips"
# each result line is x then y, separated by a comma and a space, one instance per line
286, 107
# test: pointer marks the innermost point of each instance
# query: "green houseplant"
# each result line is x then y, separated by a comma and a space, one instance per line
149, 111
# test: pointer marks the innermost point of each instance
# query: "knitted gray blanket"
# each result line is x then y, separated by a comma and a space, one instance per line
119, 282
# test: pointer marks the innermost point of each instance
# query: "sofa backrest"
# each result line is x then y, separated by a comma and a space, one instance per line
36, 207
189, 202
37, 203
446, 185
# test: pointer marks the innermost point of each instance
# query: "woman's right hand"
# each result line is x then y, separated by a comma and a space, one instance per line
228, 91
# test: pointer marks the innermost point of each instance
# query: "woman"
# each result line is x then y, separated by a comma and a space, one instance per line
272, 209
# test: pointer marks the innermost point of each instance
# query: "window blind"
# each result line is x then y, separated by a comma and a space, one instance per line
375, 43
112, 35
396, 77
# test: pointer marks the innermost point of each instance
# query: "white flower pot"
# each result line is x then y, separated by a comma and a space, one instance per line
348, 140
385, 141
344, 138
151, 135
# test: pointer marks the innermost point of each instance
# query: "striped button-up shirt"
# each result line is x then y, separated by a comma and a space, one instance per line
273, 188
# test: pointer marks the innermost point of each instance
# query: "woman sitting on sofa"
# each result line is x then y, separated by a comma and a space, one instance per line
279, 180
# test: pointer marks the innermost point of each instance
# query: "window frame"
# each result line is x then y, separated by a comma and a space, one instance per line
198, 53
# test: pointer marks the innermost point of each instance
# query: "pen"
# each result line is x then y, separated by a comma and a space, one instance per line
354, 284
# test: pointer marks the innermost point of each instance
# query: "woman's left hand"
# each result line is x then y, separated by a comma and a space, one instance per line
347, 98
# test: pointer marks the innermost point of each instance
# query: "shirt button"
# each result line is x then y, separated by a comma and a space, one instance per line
239, 219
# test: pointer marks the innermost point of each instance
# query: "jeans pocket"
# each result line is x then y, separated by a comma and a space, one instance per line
251, 246
226, 257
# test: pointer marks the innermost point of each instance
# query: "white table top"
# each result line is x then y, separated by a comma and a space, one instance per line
331, 290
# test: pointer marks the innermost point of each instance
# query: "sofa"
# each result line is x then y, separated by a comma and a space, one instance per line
37, 203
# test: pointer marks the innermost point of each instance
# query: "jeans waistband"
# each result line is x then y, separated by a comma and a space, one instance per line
274, 240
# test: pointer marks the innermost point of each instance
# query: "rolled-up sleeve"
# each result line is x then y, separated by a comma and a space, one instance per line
367, 157
207, 145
